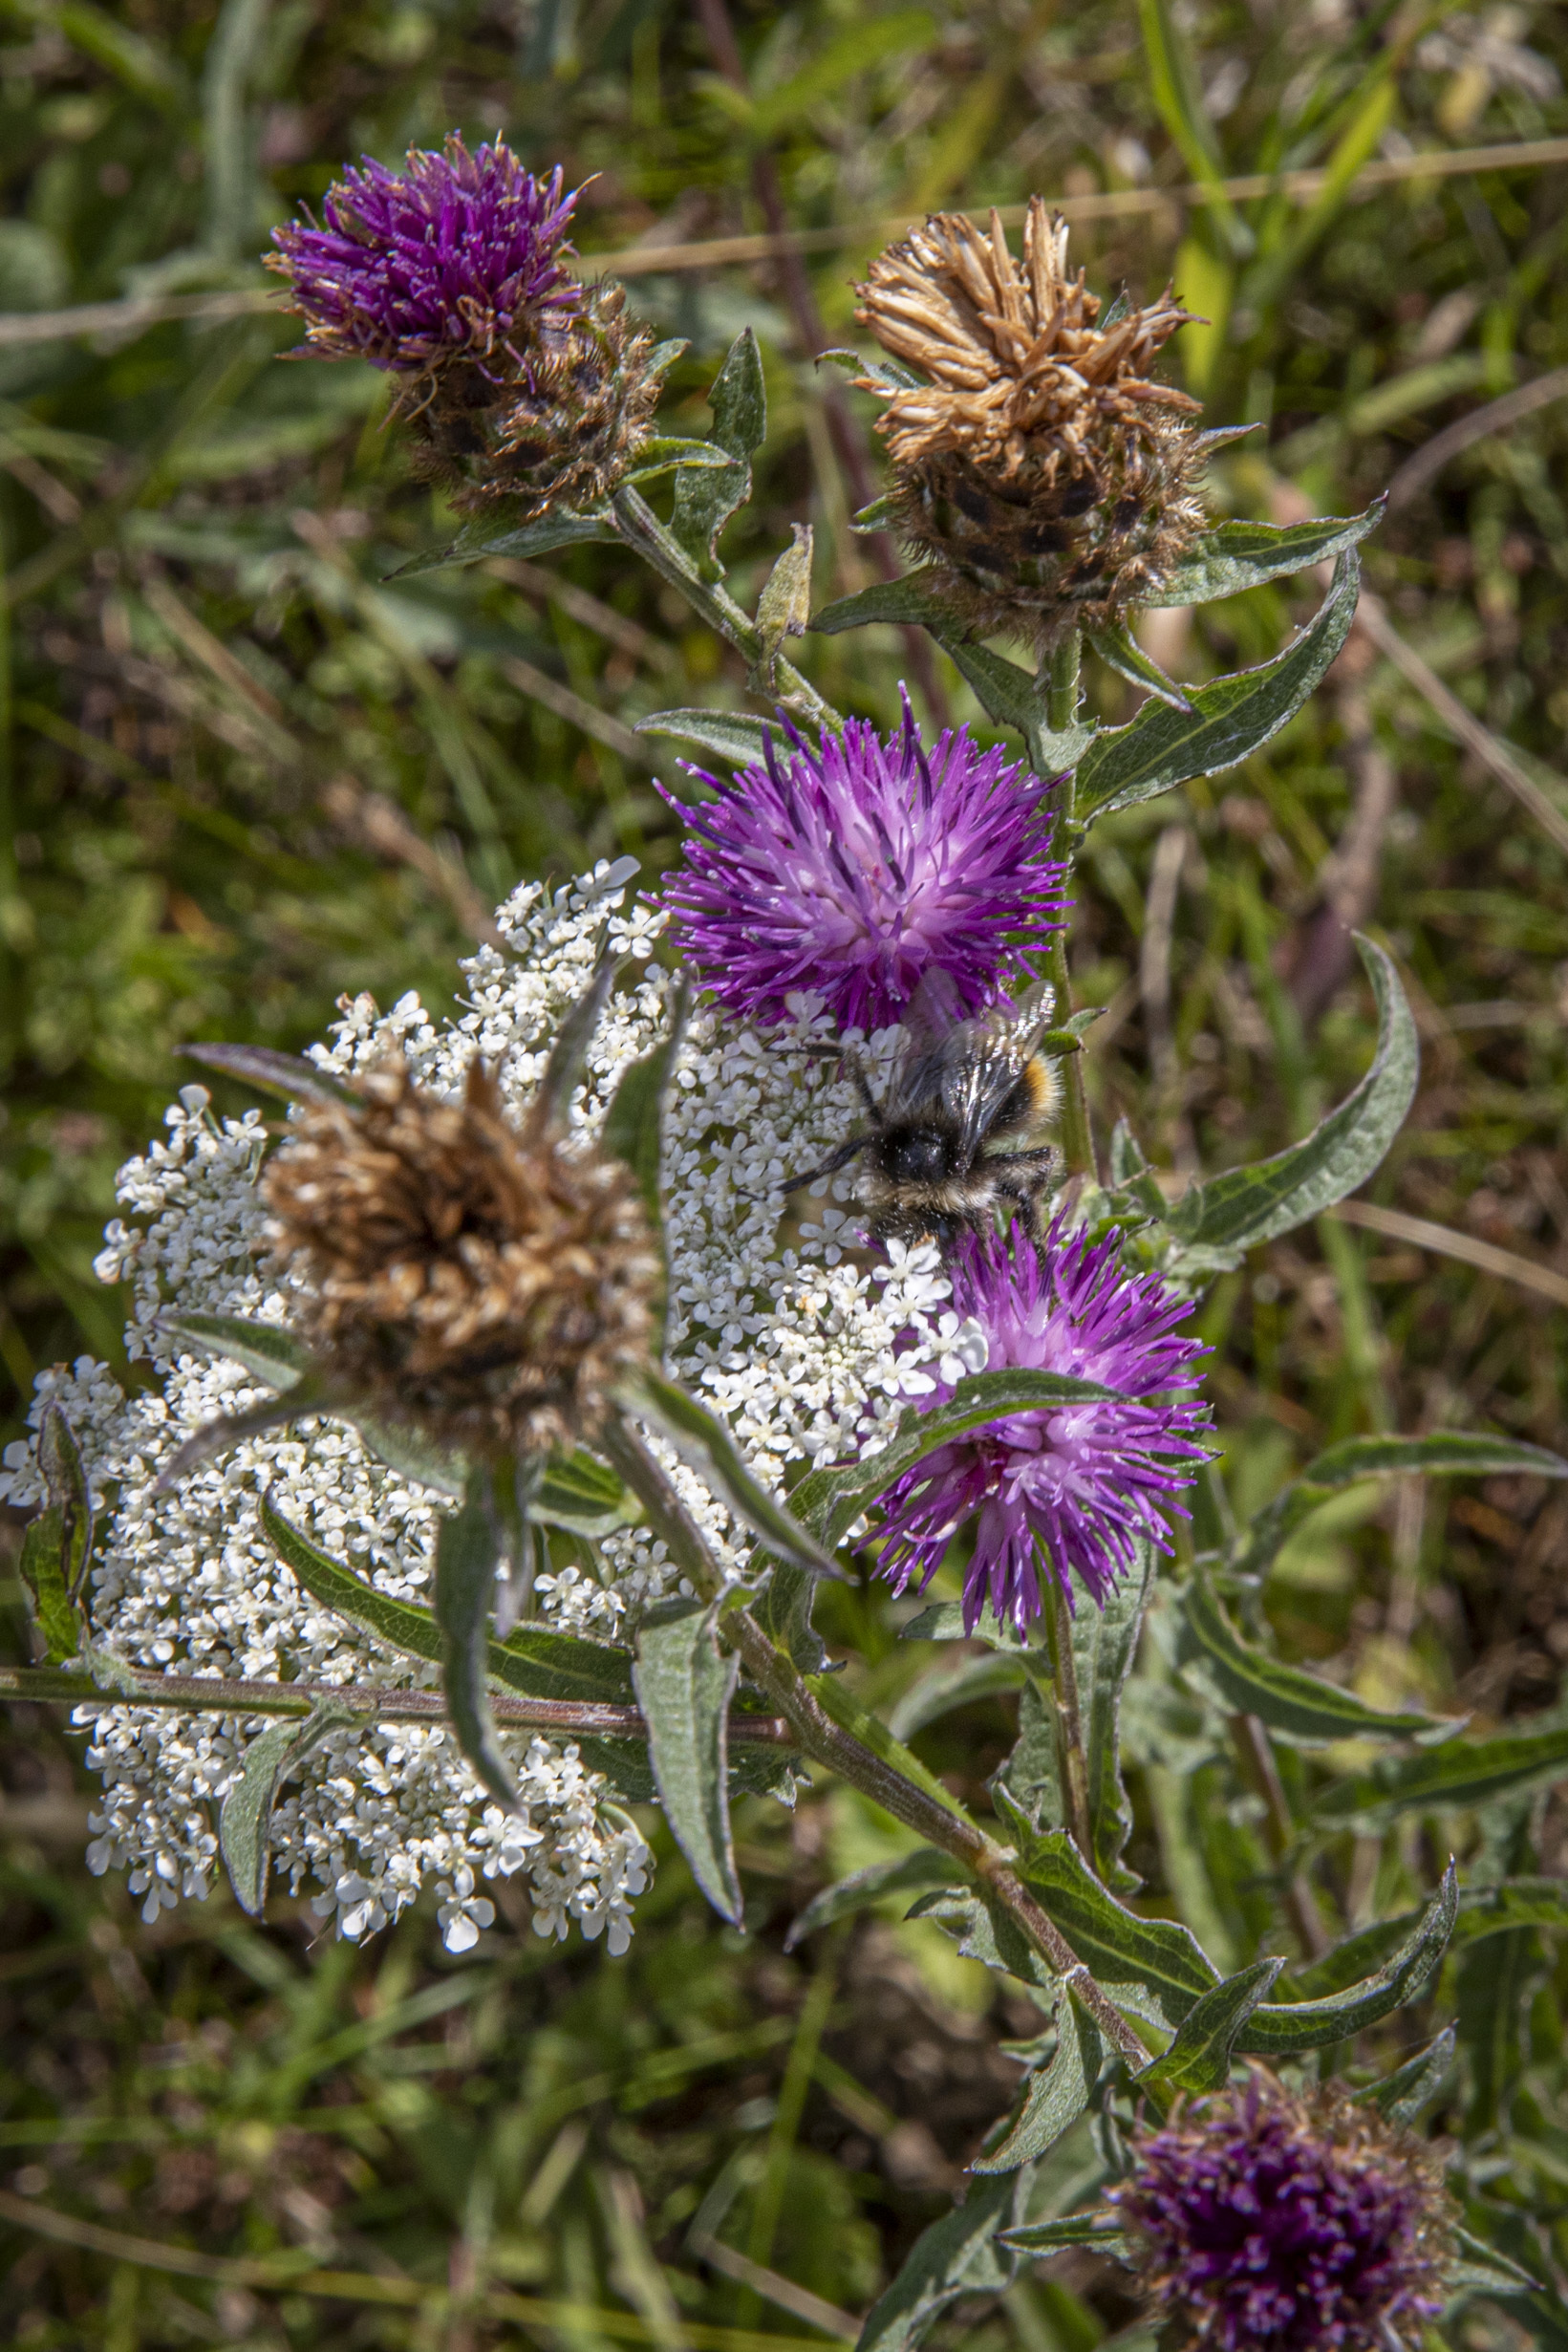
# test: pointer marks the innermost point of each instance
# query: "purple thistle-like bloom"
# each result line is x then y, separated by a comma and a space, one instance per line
1267, 2223
447, 259
1062, 1488
863, 868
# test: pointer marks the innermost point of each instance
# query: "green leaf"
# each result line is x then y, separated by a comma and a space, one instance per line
913, 1873
57, 1545
634, 1131
1012, 697
1481, 2269
831, 1500
264, 1348
1101, 2230
1104, 1644
732, 735
684, 1684
835, 1700
1054, 2095
1231, 718
1293, 2027
1237, 555
889, 374
245, 1819
285, 1075
584, 1496
865, 41
540, 538
910, 601
467, 1551
1298, 1706
706, 1444
783, 608
959, 2254
403, 1624
662, 452
1235, 1212
1199, 2058
944, 1622
309, 1395
1400, 2097
1120, 650
1460, 1776
1154, 1966
938, 1694
1448, 1453
1493, 1988
568, 1054
782, 1608
705, 501
881, 514
985, 1930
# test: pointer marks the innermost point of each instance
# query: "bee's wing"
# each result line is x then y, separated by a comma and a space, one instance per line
981, 1069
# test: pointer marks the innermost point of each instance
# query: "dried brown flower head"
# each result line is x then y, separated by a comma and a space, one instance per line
559, 431
468, 1277
1047, 481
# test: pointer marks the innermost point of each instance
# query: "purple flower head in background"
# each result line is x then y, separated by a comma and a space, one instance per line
1061, 1489
863, 868
1267, 2223
448, 259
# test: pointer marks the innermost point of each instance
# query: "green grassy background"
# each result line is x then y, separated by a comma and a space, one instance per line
240, 775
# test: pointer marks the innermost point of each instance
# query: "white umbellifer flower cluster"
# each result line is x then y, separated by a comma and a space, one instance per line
807, 1354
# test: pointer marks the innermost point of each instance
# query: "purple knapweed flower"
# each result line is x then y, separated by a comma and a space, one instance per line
449, 259
1061, 1489
1268, 2223
862, 870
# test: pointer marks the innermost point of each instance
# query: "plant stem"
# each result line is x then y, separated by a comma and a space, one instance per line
56, 1686
1069, 1726
944, 1825
640, 528
1257, 1766
1061, 683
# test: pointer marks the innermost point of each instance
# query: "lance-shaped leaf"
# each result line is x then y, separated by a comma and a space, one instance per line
1013, 697
684, 1684
959, 2254
782, 1608
584, 1496
1229, 719
785, 606
1235, 1212
310, 1394
911, 601
985, 1930
705, 501
1290, 2028
1237, 555
1054, 2095
1461, 1776
1120, 650
1400, 2097
829, 1501
479, 540
889, 374
1105, 1643
1446, 1453
467, 1551
245, 1819
265, 1349
1300, 1707
732, 735
634, 1131
662, 452
872, 1732
57, 1545
285, 1075
944, 1622
1154, 1966
703, 1442
916, 1873
1480, 2269
1102, 2232
1199, 2058
938, 1694
568, 1054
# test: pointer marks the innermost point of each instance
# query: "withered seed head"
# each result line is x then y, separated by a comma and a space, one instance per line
556, 432
1046, 478
470, 1278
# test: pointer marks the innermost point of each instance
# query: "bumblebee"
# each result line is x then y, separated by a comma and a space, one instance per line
939, 1150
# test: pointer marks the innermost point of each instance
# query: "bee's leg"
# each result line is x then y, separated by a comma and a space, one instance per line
831, 1166
1031, 1179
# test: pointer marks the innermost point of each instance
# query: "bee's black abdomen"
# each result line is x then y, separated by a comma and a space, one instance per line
913, 1155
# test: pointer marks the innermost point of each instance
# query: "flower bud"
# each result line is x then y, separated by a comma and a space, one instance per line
478, 1281
1048, 483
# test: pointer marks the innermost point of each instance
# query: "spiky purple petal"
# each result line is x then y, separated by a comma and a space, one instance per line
859, 870
448, 258
1268, 2223
1066, 1489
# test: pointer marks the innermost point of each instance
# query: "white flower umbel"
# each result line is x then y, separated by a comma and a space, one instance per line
804, 1350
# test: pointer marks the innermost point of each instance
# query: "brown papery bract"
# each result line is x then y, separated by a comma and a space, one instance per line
1041, 472
478, 1281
